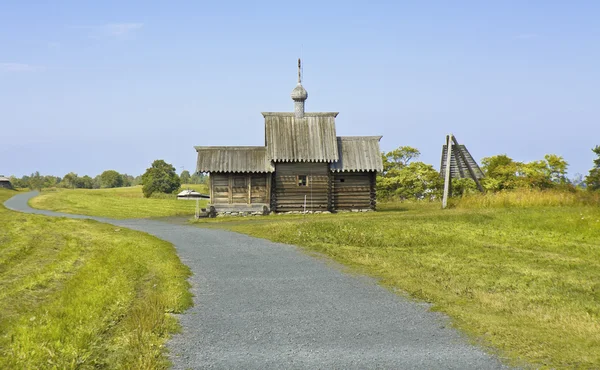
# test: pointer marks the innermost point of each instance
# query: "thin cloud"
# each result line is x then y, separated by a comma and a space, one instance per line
19, 67
527, 36
121, 29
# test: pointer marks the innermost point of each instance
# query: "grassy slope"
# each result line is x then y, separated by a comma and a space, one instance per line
115, 203
525, 281
81, 294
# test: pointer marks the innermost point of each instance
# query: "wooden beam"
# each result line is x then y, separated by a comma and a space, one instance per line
471, 171
230, 185
210, 184
249, 188
447, 180
269, 179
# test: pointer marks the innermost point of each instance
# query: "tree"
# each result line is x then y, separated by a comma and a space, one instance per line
463, 186
500, 171
36, 181
111, 179
405, 179
592, 180
70, 180
198, 178
399, 158
417, 180
160, 177
86, 182
557, 168
185, 177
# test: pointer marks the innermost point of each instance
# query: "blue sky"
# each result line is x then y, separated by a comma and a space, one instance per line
90, 86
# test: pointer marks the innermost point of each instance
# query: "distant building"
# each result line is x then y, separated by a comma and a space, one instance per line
5, 182
303, 166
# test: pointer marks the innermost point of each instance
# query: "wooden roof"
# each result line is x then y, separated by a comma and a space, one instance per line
358, 153
233, 159
458, 163
308, 139
4, 179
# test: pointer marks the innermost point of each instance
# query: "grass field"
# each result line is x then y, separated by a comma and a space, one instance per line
524, 281
81, 294
116, 203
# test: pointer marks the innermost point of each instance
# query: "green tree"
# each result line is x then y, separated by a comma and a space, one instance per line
185, 177
399, 158
501, 172
86, 182
111, 179
35, 181
557, 168
464, 186
592, 180
198, 178
404, 179
160, 177
70, 180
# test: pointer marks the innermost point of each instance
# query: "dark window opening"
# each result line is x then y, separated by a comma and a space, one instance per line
302, 180
341, 180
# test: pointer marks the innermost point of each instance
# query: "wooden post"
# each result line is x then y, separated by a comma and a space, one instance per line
211, 184
447, 177
230, 188
249, 188
269, 179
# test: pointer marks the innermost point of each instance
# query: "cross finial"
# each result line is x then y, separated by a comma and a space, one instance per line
299, 69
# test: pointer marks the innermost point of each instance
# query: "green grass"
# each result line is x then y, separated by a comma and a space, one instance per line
118, 203
522, 281
81, 294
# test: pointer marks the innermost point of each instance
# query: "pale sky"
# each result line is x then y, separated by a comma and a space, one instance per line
87, 87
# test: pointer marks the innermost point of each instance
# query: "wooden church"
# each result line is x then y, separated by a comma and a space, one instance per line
303, 166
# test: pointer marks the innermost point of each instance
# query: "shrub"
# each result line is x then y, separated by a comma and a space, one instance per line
160, 177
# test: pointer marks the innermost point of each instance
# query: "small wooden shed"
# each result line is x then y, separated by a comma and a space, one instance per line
5, 182
304, 166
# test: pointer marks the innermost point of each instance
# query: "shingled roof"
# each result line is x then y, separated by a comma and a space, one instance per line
233, 159
358, 153
308, 139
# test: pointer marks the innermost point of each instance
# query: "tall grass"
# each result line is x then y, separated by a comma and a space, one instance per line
81, 294
528, 198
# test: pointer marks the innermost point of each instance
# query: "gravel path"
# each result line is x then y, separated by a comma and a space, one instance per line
261, 305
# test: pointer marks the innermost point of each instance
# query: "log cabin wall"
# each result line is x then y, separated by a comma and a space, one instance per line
289, 195
353, 190
239, 188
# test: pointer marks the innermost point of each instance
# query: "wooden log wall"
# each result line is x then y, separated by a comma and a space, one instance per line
228, 188
354, 190
288, 196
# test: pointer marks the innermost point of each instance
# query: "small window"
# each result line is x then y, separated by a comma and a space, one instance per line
302, 180
341, 180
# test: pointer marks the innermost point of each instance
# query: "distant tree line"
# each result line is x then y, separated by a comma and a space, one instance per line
403, 178
107, 179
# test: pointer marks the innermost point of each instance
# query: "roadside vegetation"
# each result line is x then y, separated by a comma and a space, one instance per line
118, 203
81, 294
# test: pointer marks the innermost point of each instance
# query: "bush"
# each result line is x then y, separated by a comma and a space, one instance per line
160, 177
111, 179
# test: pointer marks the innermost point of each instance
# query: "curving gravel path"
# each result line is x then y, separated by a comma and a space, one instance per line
261, 305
